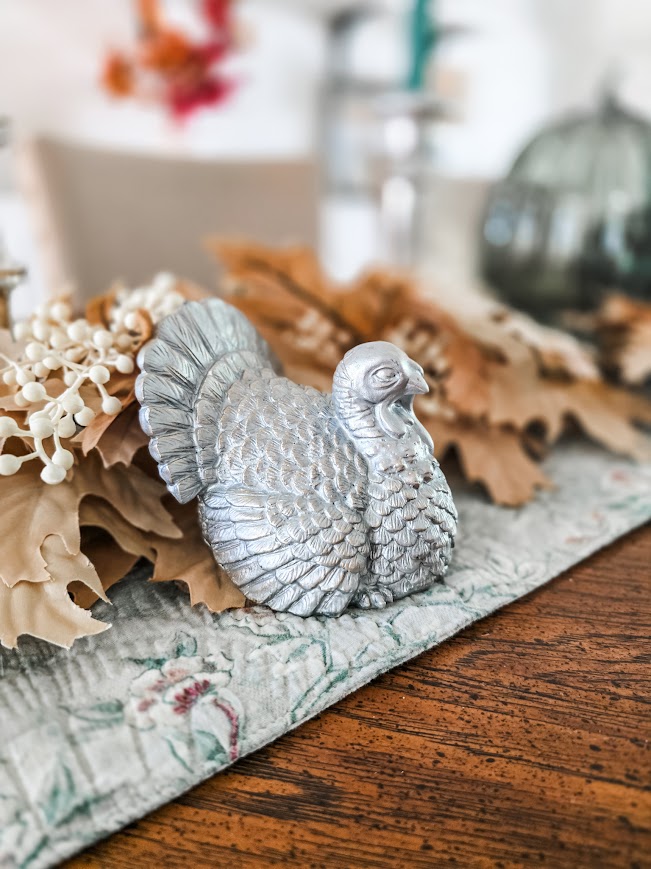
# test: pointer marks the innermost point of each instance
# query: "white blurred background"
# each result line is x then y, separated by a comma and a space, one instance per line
521, 63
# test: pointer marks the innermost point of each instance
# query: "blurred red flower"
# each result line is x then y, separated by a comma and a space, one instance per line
169, 67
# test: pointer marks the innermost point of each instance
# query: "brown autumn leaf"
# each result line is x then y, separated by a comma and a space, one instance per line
624, 332
111, 563
123, 439
494, 374
121, 386
45, 609
188, 559
118, 441
191, 562
494, 456
98, 309
558, 353
38, 511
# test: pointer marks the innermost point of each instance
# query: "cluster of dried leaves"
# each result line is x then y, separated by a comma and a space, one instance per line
503, 389
63, 546
624, 332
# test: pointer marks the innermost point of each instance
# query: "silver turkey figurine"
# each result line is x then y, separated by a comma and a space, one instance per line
311, 502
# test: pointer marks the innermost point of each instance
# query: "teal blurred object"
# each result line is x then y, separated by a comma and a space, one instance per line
572, 219
423, 37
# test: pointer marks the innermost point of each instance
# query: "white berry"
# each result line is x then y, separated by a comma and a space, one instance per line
41, 330
99, 374
60, 311
41, 426
81, 353
52, 363
35, 351
72, 403
9, 465
22, 331
33, 392
111, 405
63, 458
53, 474
23, 377
67, 426
164, 282
8, 426
58, 339
84, 417
124, 364
78, 331
102, 339
124, 342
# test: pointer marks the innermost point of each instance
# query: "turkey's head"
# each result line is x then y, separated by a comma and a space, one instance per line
373, 390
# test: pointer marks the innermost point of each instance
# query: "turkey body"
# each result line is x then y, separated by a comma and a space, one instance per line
311, 502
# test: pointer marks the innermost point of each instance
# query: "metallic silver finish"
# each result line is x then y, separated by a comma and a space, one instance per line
311, 502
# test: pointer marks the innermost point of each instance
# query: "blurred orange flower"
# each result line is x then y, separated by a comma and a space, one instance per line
117, 75
169, 67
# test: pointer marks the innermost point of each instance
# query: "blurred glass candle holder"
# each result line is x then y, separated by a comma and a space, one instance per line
402, 167
376, 127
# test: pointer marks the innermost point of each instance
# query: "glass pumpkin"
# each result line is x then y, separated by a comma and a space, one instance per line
572, 219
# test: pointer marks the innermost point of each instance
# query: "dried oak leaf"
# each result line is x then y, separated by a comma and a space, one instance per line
517, 388
111, 563
624, 331
494, 374
122, 440
188, 559
45, 609
38, 511
117, 439
121, 386
192, 563
98, 309
494, 456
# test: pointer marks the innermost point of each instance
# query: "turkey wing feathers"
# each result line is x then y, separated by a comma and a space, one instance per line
299, 540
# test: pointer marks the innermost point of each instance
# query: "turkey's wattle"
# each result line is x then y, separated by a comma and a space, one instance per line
311, 502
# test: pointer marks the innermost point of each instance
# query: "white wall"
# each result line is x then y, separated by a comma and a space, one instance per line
51, 53
531, 60
526, 60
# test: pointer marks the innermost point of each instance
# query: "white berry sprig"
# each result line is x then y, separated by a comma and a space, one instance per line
58, 348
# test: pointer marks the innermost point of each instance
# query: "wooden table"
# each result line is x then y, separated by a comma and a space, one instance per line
524, 741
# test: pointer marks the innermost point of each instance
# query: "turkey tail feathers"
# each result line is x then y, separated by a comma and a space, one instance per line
199, 351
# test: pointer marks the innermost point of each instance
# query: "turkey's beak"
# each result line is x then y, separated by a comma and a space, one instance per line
416, 385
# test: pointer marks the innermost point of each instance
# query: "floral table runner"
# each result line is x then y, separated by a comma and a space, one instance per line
99, 736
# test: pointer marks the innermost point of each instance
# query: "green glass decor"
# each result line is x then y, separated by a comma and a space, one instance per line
572, 219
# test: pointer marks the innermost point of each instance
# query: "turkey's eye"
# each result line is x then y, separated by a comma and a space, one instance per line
385, 375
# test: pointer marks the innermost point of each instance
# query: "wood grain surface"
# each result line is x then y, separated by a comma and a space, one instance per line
524, 741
